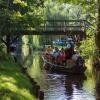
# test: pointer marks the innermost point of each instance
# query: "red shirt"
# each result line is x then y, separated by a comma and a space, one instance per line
62, 56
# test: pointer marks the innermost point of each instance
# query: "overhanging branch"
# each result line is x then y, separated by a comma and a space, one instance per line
4, 41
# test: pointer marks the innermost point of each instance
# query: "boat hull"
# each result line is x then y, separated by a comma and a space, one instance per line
63, 69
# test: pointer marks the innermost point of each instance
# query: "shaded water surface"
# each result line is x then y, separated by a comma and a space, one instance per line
67, 87
64, 87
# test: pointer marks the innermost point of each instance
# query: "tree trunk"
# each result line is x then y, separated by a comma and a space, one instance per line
97, 38
8, 43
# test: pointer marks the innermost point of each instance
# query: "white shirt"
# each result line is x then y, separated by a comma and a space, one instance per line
75, 57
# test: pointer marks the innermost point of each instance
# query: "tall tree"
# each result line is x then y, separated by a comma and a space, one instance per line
98, 28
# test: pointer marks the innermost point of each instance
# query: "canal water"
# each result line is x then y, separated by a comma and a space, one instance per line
58, 86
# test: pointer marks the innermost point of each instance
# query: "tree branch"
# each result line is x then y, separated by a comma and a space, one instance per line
4, 41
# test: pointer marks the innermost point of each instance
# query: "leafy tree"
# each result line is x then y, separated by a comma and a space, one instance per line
98, 29
17, 15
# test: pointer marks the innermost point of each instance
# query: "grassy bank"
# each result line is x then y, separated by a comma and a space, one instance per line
14, 85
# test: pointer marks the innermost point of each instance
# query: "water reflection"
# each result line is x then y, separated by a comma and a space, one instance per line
24, 55
56, 89
74, 85
69, 88
36, 72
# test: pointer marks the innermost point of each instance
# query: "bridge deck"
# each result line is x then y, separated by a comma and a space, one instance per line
55, 27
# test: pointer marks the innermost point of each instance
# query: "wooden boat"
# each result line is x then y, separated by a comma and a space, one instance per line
74, 69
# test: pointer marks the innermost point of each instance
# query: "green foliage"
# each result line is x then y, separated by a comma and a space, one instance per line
22, 3
62, 11
87, 46
17, 15
81, 8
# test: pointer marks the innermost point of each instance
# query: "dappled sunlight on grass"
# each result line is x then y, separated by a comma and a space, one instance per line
9, 95
6, 79
25, 93
14, 85
18, 77
9, 85
22, 92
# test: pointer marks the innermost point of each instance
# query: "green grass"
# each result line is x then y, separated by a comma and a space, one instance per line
14, 85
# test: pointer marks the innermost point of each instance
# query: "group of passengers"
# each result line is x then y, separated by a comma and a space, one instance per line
60, 56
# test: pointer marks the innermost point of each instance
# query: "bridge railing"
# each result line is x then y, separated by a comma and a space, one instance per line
55, 27
63, 25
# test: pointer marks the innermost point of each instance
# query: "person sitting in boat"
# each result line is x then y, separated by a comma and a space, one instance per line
62, 56
78, 59
55, 54
48, 52
75, 56
69, 51
52, 50
52, 53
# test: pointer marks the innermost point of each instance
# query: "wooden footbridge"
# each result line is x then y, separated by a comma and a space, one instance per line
55, 27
